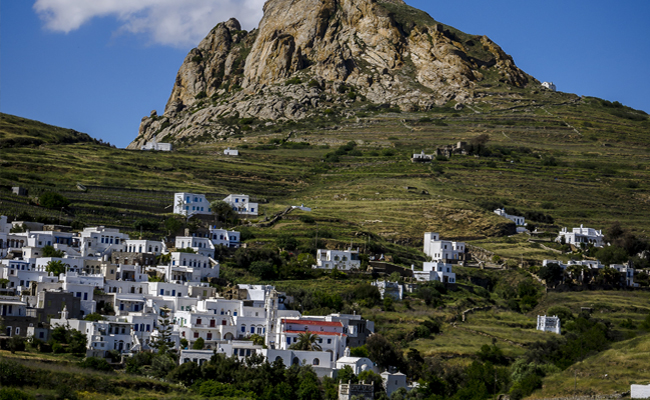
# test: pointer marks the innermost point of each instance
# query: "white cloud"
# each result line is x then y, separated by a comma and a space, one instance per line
178, 23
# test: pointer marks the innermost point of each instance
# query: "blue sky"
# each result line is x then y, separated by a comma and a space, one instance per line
100, 66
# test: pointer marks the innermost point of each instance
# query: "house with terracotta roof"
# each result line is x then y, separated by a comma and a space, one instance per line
330, 334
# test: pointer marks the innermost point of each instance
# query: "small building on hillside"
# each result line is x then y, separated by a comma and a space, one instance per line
19, 191
391, 289
191, 204
548, 324
640, 391
578, 236
520, 221
443, 250
241, 204
359, 391
155, 146
549, 86
231, 152
343, 260
435, 271
421, 157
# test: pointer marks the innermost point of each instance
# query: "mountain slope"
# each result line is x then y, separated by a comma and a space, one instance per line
309, 55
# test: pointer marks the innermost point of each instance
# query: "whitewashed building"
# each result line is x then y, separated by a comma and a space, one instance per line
443, 250
548, 324
578, 236
331, 338
224, 237
242, 205
200, 245
343, 260
422, 157
520, 221
391, 289
435, 271
191, 204
549, 86
154, 145
231, 152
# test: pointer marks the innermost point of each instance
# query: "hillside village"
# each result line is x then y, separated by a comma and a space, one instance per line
125, 296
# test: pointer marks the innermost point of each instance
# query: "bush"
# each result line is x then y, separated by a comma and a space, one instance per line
307, 219
53, 201
96, 363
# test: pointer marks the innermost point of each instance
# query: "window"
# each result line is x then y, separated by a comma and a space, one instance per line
316, 361
198, 321
196, 334
329, 341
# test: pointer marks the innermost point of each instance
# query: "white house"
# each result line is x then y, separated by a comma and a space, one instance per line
421, 157
443, 250
435, 271
100, 241
549, 86
241, 203
343, 260
144, 246
200, 245
639, 391
191, 204
520, 221
224, 237
154, 145
231, 152
358, 364
330, 334
392, 382
391, 289
577, 236
548, 324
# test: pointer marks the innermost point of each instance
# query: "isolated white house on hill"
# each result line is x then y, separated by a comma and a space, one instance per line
231, 152
520, 221
582, 235
549, 324
549, 86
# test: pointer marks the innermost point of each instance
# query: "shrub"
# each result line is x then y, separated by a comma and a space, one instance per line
293, 81
201, 95
307, 219
53, 201
96, 363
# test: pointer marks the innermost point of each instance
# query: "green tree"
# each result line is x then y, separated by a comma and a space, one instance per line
53, 201
163, 341
552, 273
50, 251
262, 269
612, 255
94, 317
199, 344
307, 341
145, 224
223, 212
384, 353
173, 224
56, 267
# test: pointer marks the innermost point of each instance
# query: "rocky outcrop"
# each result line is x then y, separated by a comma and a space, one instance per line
310, 52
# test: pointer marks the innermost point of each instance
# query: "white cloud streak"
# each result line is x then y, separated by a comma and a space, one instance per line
177, 23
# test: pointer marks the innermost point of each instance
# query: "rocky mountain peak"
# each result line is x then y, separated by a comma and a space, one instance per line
305, 50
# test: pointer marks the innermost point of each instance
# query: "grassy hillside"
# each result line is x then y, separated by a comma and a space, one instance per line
578, 160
